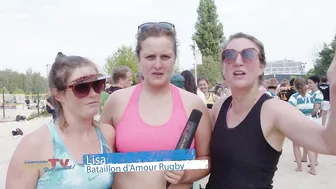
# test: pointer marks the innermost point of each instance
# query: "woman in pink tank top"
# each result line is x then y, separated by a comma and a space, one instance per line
151, 115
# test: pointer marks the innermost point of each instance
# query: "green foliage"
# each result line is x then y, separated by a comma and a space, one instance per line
16, 83
18, 91
210, 69
209, 30
34, 115
324, 59
208, 36
4, 90
123, 56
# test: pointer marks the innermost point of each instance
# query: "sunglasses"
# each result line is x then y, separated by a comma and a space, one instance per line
248, 55
149, 25
81, 90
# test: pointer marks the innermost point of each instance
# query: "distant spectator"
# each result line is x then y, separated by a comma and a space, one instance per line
121, 78
139, 77
50, 108
177, 80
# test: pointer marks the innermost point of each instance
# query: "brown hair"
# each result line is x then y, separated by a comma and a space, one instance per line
59, 74
273, 82
202, 79
262, 57
155, 31
120, 73
300, 85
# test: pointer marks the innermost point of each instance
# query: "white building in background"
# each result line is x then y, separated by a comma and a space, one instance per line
285, 67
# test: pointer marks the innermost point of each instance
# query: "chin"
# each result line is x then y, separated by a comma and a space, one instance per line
241, 85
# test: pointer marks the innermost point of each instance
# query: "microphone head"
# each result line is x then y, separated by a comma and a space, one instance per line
195, 116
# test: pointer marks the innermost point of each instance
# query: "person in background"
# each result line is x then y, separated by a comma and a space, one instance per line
286, 89
219, 91
50, 108
121, 78
75, 85
177, 80
272, 87
203, 85
305, 103
325, 105
139, 77
313, 83
190, 84
151, 116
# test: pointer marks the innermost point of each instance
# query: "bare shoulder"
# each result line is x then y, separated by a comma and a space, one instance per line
191, 100
215, 110
35, 140
32, 147
121, 94
115, 105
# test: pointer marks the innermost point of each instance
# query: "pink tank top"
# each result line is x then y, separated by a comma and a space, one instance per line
133, 135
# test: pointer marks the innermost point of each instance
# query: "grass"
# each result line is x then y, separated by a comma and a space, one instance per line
43, 113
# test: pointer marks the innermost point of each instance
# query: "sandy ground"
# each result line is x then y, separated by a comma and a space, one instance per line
285, 178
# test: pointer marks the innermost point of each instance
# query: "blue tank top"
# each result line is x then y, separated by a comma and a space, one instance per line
76, 177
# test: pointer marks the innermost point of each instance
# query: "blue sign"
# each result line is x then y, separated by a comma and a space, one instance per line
139, 157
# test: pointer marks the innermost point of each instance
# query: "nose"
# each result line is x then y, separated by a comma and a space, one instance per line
239, 60
92, 93
157, 64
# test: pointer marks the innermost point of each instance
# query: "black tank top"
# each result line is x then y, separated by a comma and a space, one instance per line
241, 158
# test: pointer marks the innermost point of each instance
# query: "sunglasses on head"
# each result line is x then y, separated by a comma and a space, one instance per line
149, 25
82, 89
248, 55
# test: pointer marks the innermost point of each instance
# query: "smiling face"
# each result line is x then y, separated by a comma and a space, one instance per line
203, 85
157, 59
241, 63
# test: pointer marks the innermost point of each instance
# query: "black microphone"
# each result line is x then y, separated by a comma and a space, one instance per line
189, 132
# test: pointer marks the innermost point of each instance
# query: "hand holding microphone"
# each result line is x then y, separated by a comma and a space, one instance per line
185, 142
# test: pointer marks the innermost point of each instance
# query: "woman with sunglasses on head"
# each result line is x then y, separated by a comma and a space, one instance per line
152, 115
250, 128
75, 87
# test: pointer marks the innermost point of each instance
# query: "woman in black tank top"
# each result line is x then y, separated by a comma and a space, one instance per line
249, 129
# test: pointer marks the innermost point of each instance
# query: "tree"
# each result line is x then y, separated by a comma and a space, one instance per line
208, 36
324, 58
209, 30
210, 69
123, 56
15, 82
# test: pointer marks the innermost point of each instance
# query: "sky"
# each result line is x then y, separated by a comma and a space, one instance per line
33, 32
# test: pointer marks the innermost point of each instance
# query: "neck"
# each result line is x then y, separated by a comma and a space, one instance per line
156, 91
77, 126
313, 90
117, 85
243, 100
206, 93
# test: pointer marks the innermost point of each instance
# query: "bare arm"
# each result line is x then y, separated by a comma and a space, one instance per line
316, 108
109, 134
202, 144
107, 110
19, 176
330, 133
297, 127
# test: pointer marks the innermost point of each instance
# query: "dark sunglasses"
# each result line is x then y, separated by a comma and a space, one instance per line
248, 55
83, 89
149, 25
